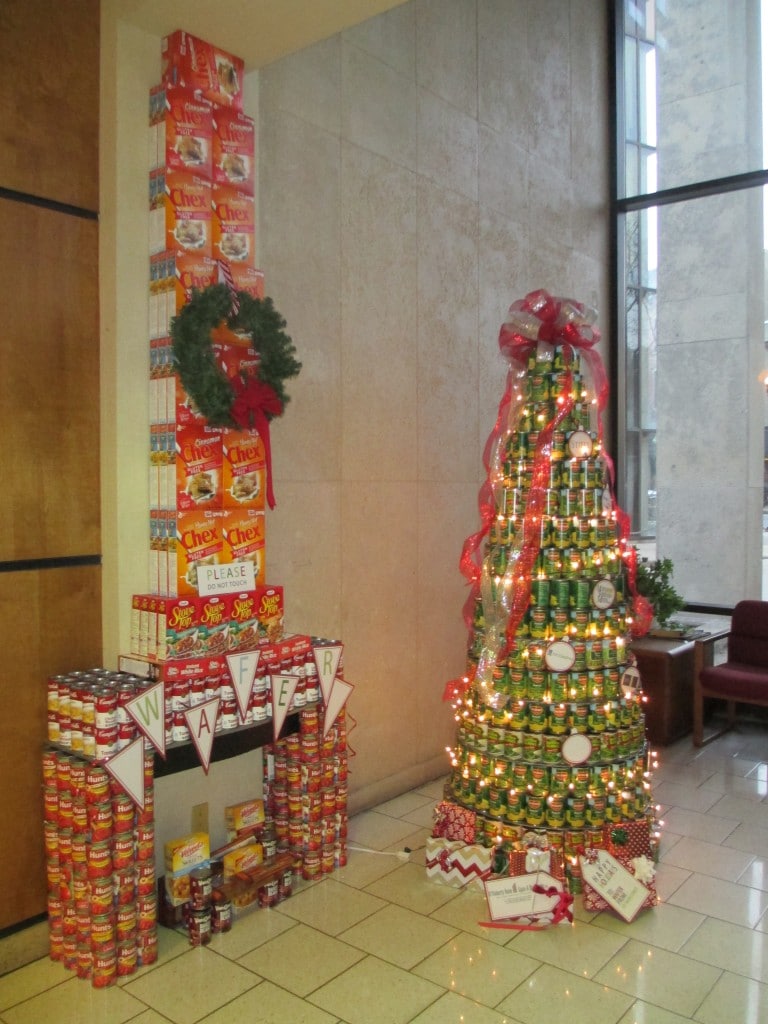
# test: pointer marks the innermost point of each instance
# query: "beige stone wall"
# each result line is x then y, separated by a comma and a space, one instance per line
417, 174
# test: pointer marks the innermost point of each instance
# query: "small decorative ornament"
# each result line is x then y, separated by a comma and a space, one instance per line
249, 399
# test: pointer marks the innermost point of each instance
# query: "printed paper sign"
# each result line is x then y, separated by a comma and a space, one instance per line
514, 896
327, 660
242, 670
201, 722
618, 886
127, 768
229, 578
283, 689
339, 695
148, 712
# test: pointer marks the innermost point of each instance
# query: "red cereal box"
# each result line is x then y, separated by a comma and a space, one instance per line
186, 271
234, 225
180, 213
214, 73
198, 467
243, 469
197, 540
243, 539
248, 279
234, 148
181, 130
256, 620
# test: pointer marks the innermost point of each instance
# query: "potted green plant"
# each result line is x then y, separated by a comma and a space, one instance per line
654, 582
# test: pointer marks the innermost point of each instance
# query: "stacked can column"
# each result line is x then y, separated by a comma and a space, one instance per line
305, 788
100, 865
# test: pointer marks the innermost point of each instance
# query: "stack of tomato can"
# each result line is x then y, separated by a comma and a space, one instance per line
100, 868
305, 789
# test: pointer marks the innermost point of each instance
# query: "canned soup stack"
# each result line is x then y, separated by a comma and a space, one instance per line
100, 866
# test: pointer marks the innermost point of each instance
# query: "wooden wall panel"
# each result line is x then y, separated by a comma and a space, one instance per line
53, 620
49, 385
49, 99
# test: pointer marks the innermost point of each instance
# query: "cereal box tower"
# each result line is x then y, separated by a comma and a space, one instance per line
551, 732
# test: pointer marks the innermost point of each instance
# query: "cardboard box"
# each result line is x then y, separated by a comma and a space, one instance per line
206, 69
180, 213
243, 817
213, 630
234, 149
178, 626
247, 279
243, 539
256, 618
182, 856
199, 468
196, 539
233, 227
180, 130
243, 469
244, 858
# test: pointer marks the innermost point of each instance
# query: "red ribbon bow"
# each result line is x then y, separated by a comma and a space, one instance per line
255, 403
562, 911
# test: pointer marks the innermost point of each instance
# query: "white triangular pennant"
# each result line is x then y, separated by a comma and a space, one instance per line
283, 689
127, 767
201, 722
327, 660
242, 670
148, 712
339, 697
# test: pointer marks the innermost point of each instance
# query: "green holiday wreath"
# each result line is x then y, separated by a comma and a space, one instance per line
245, 401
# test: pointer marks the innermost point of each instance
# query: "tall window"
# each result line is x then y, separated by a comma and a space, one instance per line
691, 408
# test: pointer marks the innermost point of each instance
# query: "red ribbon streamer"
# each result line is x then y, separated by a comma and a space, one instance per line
254, 404
542, 318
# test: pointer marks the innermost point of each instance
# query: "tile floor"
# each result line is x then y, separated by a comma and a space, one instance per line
376, 943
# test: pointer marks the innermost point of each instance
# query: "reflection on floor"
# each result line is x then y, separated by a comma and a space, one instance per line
376, 943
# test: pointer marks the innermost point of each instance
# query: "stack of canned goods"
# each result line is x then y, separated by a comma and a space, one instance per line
564, 674
87, 711
100, 868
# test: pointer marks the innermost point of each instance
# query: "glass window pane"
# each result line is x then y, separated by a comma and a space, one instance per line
693, 91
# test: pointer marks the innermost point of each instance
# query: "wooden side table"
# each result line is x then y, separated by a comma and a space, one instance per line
667, 671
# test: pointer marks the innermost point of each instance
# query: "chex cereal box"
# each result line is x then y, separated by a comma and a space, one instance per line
247, 279
181, 130
233, 227
198, 467
234, 148
214, 73
186, 271
243, 469
197, 541
180, 215
244, 539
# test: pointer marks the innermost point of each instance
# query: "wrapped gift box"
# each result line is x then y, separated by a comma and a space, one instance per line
455, 823
458, 864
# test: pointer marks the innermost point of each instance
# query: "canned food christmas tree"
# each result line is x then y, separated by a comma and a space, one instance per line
550, 746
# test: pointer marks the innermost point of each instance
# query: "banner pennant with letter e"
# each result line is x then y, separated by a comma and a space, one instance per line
339, 696
148, 712
127, 768
327, 660
283, 689
242, 670
201, 722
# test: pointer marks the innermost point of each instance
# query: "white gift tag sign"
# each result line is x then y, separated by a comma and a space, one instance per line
515, 897
127, 768
618, 886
